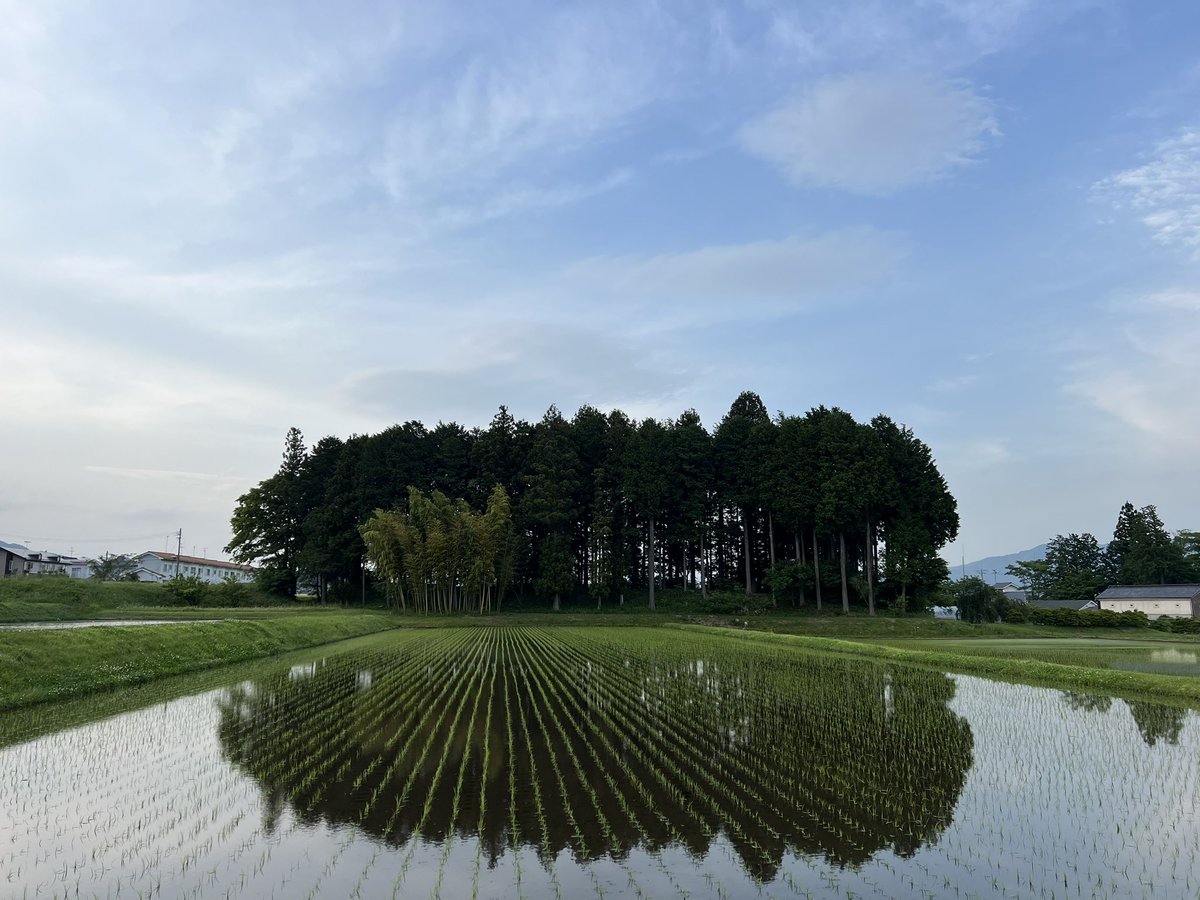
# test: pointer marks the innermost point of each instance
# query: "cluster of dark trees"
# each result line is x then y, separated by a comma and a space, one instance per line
602, 505
1141, 551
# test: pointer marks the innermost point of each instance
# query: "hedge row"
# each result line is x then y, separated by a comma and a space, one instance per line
1177, 626
1086, 618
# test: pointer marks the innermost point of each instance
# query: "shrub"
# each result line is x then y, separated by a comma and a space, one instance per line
230, 592
1177, 626
733, 602
188, 588
1075, 618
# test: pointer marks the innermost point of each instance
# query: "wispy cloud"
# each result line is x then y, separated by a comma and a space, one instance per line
873, 133
1143, 374
770, 277
573, 77
1164, 192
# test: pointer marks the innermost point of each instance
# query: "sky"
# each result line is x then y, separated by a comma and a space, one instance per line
219, 220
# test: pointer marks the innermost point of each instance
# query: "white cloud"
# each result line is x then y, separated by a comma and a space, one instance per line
771, 277
575, 76
1165, 191
873, 133
1144, 375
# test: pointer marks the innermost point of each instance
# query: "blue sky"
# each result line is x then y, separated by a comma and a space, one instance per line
220, 220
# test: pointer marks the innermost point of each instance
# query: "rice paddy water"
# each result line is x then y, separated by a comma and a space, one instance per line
576, 762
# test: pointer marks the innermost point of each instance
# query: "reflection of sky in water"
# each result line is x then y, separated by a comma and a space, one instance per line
1062, 798
1174, 656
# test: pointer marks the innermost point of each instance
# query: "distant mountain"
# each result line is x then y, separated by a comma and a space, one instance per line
993, 567
20, 548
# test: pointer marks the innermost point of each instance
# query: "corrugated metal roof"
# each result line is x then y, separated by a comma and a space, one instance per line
1150, 592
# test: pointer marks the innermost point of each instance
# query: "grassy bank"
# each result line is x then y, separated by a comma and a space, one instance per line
53, 665
57, 599
1024, 670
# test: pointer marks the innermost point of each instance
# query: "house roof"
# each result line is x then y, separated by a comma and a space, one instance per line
1058, 604
198, 561
1151, 592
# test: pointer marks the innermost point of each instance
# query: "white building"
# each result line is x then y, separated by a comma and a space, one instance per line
43, 562
157, 566
1155, 600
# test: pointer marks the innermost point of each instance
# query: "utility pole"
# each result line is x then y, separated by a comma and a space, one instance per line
178, 550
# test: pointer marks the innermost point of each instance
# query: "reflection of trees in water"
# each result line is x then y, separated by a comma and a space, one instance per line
1158, 722
778, 752
1084, 702
1155, 721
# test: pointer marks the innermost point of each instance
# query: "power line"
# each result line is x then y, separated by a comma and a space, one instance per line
105, 540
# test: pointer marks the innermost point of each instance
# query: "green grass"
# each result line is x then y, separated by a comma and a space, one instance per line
1156, 656
53, 665
1084, 673
56, 599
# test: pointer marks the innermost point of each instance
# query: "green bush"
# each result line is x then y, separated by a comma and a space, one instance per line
230, 592
187, 588
1075, 618
728, 602
1177, 626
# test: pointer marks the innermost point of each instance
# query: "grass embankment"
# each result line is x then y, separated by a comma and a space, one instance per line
1024, 669
56, 599
53, 665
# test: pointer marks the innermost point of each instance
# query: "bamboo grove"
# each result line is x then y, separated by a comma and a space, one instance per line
814, 508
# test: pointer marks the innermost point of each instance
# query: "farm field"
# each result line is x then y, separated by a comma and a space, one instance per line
1157, 657
515, 761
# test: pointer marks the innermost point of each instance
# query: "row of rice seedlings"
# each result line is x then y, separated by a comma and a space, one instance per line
753, 770
540, 681
543, 838
713, 882
485, 690
472, 680
650, 763
739, 782
348, 744
692, 774
597, 736
481, 828
424, 715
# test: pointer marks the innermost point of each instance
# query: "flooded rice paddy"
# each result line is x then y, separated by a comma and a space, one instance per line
546, 763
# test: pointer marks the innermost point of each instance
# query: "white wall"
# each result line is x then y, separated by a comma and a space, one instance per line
1153, 609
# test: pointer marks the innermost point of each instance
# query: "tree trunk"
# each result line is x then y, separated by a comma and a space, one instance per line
771, 538
817, 567
799, 564
650, 562
842, 563
556, 606
746, 550
870, 571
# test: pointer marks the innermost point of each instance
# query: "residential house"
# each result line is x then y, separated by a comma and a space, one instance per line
13, 563
42, 562
1155, 600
